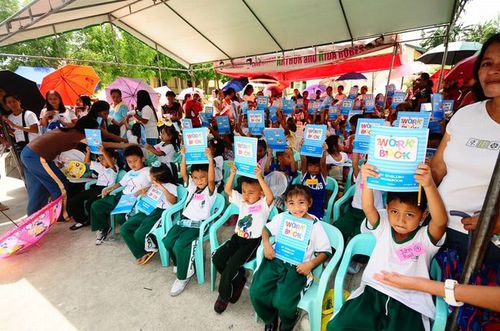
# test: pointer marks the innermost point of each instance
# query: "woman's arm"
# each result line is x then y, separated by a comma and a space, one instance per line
480, 296
438, 166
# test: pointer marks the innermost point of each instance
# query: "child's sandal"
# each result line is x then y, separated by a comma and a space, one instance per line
145, 259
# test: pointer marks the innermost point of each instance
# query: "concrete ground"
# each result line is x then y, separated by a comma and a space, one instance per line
66, 282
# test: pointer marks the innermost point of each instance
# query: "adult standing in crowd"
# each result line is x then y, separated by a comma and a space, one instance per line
424, 90
118, 111
24, 123
147, 116
82, 105
54, 115
43, 177
172, 109
464, 162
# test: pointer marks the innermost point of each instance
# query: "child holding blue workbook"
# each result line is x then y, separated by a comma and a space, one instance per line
254, 204
135, 229
403, 245
314, 173
277, 285
135, 181
181, 238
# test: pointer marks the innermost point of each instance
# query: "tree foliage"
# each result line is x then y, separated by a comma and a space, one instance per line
477, 32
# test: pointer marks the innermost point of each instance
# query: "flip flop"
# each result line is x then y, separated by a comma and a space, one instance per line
146, 259
77, 226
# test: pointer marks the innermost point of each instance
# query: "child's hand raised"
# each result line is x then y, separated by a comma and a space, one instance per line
368, 171
269, 152
305, 268
424, 175
268, 252
183, 150
208, 153
258, 171
101, 149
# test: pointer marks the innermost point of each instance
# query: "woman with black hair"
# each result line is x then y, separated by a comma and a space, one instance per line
100, 112
54, 115
24, 123
424, 86
82, 105
147, 116
43, 178
464, 162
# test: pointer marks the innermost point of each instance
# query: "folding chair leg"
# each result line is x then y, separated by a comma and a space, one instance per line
213, 276
198, 260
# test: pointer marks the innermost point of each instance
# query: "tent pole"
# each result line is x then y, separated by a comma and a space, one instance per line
482, 235
158, 64
394, 52
445, 55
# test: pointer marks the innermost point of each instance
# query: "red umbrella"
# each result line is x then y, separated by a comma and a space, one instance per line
462, 69
71, 81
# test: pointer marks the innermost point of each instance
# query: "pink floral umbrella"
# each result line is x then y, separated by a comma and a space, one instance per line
22, 236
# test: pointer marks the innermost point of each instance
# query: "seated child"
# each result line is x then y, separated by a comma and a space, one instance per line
181, 238
217, 148
277, 286
336, 159
403, 246
254, 203
165, 150
79, 204
314, 173
135, 229
285, 163
134, 182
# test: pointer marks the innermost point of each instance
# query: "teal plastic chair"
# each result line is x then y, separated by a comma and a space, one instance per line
312, 300
349, 180
363, 244
338, 207
177, 158
216, 210
172, 213
214, 242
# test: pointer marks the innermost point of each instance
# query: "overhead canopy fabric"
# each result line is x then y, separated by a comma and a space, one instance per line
201, 31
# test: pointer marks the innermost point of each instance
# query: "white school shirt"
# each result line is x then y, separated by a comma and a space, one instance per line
30, 119
150, 127
218, 165
356, 200
71, 155
105, 176
411, 257
470, 158
198, 205
164, 203
318, 242
169, 151
68, 116
252, 218
134, 181
331, 161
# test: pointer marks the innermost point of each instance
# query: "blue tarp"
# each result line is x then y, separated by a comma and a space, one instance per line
35, 74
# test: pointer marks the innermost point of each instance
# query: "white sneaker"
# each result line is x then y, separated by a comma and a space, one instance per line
174, 269
178, 287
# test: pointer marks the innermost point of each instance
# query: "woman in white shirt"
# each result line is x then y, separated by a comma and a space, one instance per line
23, 122
464, 162
147, 117
54, 114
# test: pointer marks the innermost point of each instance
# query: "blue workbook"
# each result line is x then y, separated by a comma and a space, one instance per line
256, 122
369, 105
94, 140
333, 112
397, 98
413, 120
300, 103
261, 102
187, 123
209, 110
426, 106
287, 106
390, 89
195, 141
314, 137
396, 153
363, 132
244, 107
206, 119
351, 114
292, 239
276, 139
273, 114
325, 104
223, 124
437, 110
313, 107
447, 106
125, 205
346, 106
430, 154
353, 93
148, 203
245, 155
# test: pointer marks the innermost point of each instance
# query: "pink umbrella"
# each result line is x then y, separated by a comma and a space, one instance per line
313, 88
462, 69
30, 230
129, 88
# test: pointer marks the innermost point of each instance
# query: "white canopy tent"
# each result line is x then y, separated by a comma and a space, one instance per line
200, 31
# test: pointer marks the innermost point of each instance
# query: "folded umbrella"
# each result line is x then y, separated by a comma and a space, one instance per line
27, 90
71, 81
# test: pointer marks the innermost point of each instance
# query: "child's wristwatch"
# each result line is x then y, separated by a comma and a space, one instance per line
449, 293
